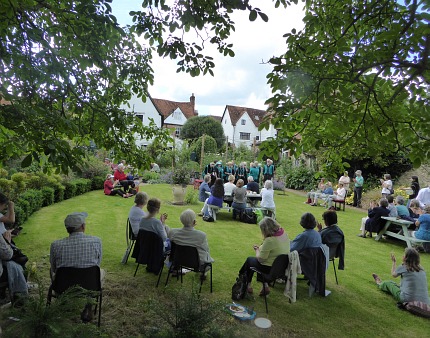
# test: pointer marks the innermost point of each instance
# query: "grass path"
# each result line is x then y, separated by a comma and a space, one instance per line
356, 308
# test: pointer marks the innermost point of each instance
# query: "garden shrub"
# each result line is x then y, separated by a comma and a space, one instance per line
3, 173
22, 211
69, 189
93, 167
8, 188
150, 176
97, 182
192, 196
48, 196
278, 185
20, 179
34, 197
83, 185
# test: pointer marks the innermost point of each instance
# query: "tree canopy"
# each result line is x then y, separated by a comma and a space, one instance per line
355, 81
67, 66
196, 126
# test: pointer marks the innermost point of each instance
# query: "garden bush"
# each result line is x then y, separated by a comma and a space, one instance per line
3, 173
69, 189
192, 196
22, 211
97, 182
9, 188
150, 176
93, 167
83, 185
48, 196
34, 197
21, 180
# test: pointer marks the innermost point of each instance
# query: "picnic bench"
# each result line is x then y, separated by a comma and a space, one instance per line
403, 234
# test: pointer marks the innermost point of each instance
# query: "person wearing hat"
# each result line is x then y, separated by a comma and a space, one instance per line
120, 176
109, 186
358, 188
78, 250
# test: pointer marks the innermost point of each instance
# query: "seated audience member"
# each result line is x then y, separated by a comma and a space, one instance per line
308, 238
375, 223
9, 215
158, 226
324, 194
372, 204
424, 197
267, 195
391, 206
228, 190
109, 186
216, 198
415, 209
423, 225
345, 180
189, 236
339, 195
402, 210
239, 198
275, 243
120, 176
155, 167
333, 236
387, 185
413, 285
311, 194
204, 187
136, 213
252, 186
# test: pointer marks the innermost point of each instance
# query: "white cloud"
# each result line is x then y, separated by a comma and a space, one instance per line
239, 81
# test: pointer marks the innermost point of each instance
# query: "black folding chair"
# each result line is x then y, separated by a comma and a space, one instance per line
130, 240
182, 256
149, 250
87, 278
277, 271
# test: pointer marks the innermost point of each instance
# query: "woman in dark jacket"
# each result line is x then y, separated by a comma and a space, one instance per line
375, 223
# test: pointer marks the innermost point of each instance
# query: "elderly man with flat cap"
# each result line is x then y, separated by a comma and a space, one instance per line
78, 250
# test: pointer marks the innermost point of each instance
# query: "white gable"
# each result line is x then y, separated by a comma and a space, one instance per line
176, 118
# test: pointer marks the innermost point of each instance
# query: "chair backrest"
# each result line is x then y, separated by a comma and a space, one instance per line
129, 231
149, 249
87, 278
332, 239
185, 256
278, 267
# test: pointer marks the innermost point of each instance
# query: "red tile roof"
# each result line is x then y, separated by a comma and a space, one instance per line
236, 113
166, 107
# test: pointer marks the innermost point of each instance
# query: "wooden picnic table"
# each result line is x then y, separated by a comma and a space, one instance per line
402, 234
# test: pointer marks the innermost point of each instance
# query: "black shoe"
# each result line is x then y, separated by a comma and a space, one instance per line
87, 313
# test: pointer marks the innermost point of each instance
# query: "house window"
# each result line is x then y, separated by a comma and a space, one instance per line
225, 121
177, 131
140, 117
257, 138
245, 136
243, 122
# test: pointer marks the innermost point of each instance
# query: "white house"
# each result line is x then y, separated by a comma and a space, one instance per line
241, 124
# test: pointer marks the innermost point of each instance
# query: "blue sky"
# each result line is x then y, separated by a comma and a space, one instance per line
238, 81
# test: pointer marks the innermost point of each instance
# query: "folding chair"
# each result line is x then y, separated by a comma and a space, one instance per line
149, 250
130, 240
87, 278
182, 256
335, 240
313, 264
277, 271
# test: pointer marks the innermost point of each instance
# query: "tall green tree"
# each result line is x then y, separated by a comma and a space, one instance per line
355, 81
67, 66
196, 126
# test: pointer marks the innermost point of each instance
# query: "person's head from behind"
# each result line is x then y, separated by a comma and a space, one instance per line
219, 182
4, 201
231, 178
345, 173
414, 179
427, 209
329, 217
387, 177
252, 165
141, 198
400, 200
188, 218
240, 183
250, 179
308, 221
75, 222
153, 205
415, 204
268, 184
207, 178
268, 227
120, 167
390, 199
411, 259
383, 202
358, 172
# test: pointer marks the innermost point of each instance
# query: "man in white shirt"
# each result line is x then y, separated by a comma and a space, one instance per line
339, 194
424, 196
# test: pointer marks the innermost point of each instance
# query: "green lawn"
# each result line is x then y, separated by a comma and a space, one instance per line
355, 307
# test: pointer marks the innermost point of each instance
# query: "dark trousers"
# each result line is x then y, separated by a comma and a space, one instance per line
116, 192
126, 184
252, 262
357, 196
267, 177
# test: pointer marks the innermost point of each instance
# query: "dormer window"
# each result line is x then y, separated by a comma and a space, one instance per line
243, 122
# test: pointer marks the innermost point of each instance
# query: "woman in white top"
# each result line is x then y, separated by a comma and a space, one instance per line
229, 186
387, 185
267, 195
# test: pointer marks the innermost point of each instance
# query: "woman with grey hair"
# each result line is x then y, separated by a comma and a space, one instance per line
309, 238
136, 213
275, 243
191, 237
267, 195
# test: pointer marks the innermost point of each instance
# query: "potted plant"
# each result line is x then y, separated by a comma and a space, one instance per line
180, 180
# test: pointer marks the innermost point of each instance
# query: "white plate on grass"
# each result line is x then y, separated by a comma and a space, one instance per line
262, 323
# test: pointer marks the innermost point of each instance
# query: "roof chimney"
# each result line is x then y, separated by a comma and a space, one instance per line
193, 102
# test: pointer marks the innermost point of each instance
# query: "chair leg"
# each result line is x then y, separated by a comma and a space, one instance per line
100, 309
159, 275
211, 278
137, 267
129, 251
265, 295
335, 274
